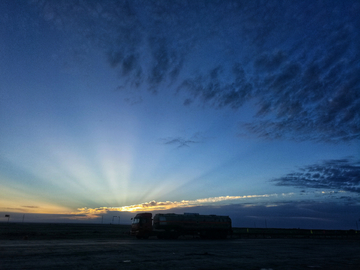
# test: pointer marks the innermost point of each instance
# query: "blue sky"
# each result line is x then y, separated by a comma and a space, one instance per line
240, 108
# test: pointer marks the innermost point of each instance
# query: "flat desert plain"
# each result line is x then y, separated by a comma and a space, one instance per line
51, 246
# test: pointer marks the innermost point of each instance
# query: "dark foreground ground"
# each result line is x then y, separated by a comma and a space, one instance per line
49, 246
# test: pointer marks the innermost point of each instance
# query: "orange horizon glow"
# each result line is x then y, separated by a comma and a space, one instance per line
167, 205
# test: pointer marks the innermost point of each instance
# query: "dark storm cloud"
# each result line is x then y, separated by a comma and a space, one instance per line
299, 61
341, 174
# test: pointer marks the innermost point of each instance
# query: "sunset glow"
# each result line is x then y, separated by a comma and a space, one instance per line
241, 108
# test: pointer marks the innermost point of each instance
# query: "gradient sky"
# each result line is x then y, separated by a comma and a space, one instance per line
243, 108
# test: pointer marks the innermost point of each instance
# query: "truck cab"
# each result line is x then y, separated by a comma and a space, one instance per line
141, 226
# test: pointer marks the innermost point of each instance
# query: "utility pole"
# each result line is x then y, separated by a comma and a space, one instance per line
113, 219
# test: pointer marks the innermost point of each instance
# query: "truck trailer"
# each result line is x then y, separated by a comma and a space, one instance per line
171, 226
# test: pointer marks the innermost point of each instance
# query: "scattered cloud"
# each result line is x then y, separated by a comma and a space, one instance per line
278, 214
286, 214
14, 209
178, 141
210, 87
339, 174
91, 212
298, 61
159, 206
24, 209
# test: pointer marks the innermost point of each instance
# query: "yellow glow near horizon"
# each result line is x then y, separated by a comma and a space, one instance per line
158, 206
29, 203
24, 206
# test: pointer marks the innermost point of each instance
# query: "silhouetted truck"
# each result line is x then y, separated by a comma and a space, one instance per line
171, 226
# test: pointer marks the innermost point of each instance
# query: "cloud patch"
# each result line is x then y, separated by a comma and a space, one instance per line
340, 174
299, 62
160, 206
179, 141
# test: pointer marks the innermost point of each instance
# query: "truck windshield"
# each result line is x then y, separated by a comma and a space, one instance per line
136, 221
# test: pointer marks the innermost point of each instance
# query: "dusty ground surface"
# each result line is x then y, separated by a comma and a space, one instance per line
79, 246
181, 254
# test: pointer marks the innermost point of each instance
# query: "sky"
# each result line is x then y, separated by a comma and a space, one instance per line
243, 108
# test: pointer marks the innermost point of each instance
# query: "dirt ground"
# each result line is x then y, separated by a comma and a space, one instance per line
94, 246
181, 254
